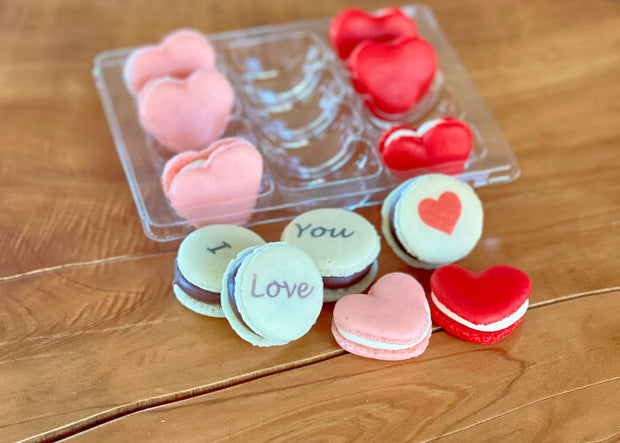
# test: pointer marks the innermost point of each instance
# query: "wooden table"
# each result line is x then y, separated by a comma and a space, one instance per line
94, 346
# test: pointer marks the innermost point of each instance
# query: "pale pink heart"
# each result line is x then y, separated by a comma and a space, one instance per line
217, 185
186, 114
394, 312
178, 55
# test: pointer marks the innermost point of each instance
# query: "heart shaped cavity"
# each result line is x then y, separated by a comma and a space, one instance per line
393, 76
392, 319
186, 114
178, 55
442, 214
353, 26
217, 185
441, 146
482, 298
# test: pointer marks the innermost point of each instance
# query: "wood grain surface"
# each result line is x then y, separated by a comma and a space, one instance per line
89, 328
451, 389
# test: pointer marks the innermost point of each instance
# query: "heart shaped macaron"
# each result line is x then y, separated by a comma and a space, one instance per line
178, 55
394, 76
219, 184
442, 145
480, 307
186, 114
391, 322
353, 26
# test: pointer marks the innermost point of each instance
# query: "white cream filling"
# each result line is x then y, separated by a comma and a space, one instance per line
491, 327
412, 133
383, 346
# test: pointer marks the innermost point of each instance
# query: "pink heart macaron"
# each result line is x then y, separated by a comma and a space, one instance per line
441, 145
178, 55
219, 184
391, 322
186, 114
479, 307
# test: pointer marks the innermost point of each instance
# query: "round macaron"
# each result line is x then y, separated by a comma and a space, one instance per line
272, 294
479, 307
391, 322
201, 261
344, 247
432, 220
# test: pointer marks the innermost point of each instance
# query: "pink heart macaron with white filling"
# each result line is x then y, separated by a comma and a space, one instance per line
480, 307
219, 184
391, 322
432, 220
441, 145
178, 55
352, 26
186, 114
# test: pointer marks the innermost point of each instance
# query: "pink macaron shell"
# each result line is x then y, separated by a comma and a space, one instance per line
177, 55
380, 354
221, 189
186, 114
395, 312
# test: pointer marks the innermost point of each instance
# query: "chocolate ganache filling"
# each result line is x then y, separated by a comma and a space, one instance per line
343, 282
231, 291
393, 228
193, 291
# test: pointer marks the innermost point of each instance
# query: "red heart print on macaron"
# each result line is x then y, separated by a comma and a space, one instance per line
353, 26
177, 55
442, 214
442, 145
480, 307
186, 114
394, 76
391, 322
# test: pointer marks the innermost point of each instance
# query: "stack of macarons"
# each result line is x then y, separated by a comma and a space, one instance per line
185, 103
270, 293
381, 50
182, 99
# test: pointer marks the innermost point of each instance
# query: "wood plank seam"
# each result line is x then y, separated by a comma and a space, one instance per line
128, 409
522, 407
78, 265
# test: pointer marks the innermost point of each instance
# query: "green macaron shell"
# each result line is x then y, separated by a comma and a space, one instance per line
340, 242
205, 253
420, 244
202, 259
278, 292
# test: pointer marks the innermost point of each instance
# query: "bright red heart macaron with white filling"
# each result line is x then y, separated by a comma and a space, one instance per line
479, 307
441, 145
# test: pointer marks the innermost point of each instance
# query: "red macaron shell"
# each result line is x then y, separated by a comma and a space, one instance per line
394, 76
353, 26
444, 148
471, 335
481, 298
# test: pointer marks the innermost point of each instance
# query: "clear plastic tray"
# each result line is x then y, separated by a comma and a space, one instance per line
296, 103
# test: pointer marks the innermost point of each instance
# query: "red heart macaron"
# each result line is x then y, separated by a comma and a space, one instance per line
394, 76
442, 145
480, 307
391, 322
353, 26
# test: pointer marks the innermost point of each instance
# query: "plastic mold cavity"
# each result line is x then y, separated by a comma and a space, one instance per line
296, 103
